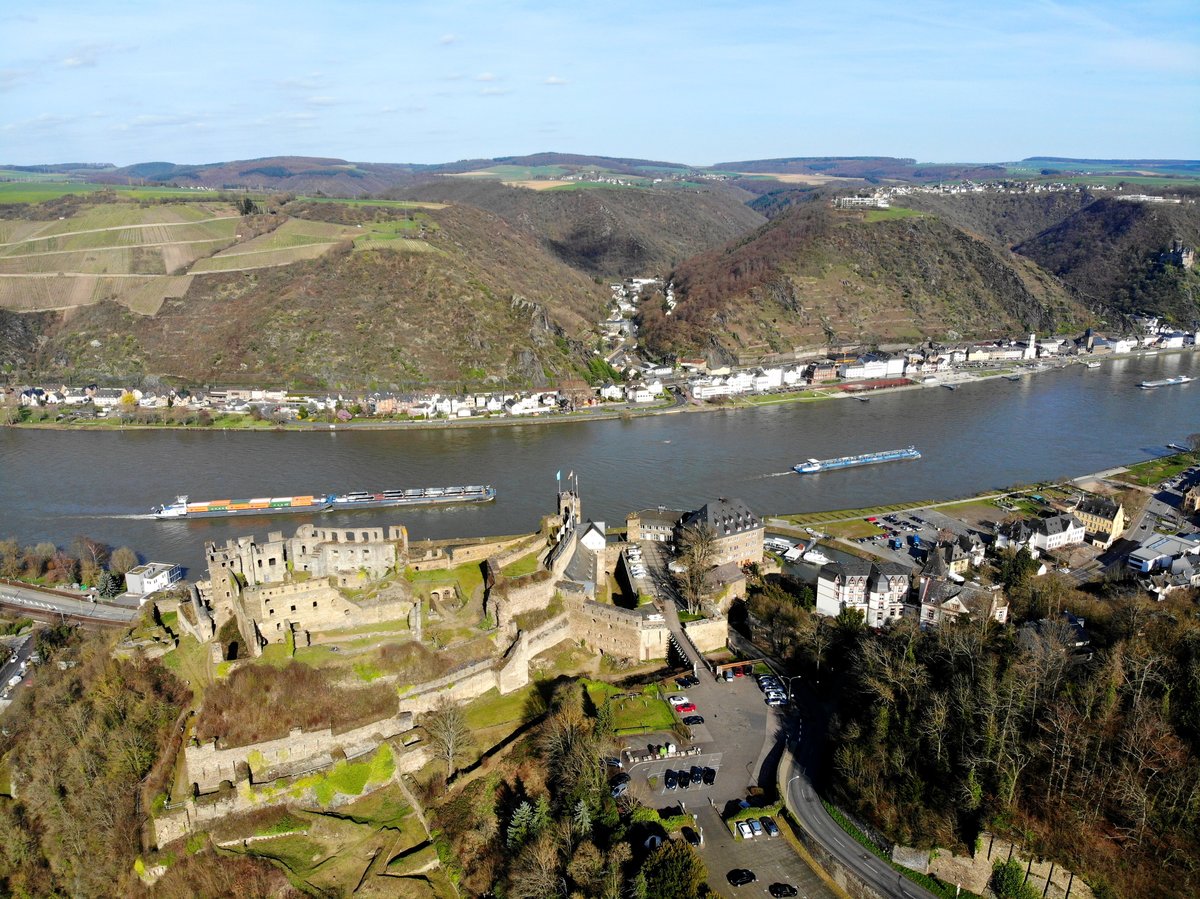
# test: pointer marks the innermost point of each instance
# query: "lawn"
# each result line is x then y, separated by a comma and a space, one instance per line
892, 214
856, 528
491, 709
767, 399
468, 576
1154, 471
633, 713
527, 564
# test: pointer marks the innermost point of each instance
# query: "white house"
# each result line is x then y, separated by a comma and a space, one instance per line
768, 379
1056, 531
612, 391
152, 577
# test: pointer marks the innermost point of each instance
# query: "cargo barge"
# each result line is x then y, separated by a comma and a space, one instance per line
322, 502
814, 466
221, 508
1165, 382
416, 496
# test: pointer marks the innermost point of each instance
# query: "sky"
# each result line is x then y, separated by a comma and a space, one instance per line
695, 82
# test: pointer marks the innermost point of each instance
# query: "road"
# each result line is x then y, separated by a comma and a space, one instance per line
805, 805
48, 605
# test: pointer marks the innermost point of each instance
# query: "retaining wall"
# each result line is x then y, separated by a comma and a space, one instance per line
208, 765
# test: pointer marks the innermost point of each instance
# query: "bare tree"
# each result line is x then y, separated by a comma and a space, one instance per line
448, 732
697, 545
123, 559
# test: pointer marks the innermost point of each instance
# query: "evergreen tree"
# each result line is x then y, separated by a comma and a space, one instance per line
518, 826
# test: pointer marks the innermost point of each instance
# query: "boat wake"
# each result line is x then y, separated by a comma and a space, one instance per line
147, 516
773, 474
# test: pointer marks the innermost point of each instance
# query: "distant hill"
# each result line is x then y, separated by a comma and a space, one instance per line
814, 276
609, 233
1113, 255
472, 301
868, 167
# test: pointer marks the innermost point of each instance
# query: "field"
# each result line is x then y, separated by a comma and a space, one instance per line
538, 185
793, 178
140, 256
31, 192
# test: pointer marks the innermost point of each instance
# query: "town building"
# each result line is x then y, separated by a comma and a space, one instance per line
737, 532
1103, 519
653, 524
152, 577
1056, 531
877, 589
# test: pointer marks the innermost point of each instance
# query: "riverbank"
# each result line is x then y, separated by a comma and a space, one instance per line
945, 380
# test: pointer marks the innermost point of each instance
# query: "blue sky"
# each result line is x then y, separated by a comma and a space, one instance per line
693, 82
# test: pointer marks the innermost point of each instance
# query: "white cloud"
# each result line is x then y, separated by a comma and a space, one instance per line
485, 76
43, 122
85, 56
447, 39
555, 81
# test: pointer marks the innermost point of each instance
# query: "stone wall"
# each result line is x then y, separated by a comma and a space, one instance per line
708, 635
623, 633
208, 765
183, 818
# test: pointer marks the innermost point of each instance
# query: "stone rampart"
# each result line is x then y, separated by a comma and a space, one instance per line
623, 633
208, 764
180, 820
708, 635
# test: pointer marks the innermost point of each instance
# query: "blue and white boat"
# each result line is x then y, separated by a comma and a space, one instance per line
815, 466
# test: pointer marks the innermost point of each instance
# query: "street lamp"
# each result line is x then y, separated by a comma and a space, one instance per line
794, 677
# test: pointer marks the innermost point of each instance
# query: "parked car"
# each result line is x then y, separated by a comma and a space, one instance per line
737, 671
756, 827
692, 838
782, 890
710, 776
769, 826
620, 790
697, 774
677, 700
684, 779
613, 762
739, 877
693, 720
744, 830
669, 780
728, 675
686, 707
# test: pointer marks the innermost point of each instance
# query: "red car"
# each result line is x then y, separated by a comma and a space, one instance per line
685, 708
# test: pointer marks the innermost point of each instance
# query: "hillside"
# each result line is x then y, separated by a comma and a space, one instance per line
447, 295
813, 276
609, 233
1112, 254
1005, 219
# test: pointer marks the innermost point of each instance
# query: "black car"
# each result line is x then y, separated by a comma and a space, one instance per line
669, 780
620, 779
697, 774
739, 877
691, 836
710, 776
693, 720
684, 780
780, 890
620, 790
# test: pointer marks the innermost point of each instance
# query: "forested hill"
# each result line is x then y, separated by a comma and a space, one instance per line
817, 276
473, 300
1116, 254
610, 233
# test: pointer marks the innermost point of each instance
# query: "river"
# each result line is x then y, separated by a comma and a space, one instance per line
55, 485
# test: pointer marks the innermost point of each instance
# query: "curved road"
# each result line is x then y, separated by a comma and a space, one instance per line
796, 768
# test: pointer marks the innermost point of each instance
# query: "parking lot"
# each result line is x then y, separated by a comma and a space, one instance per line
739, 742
